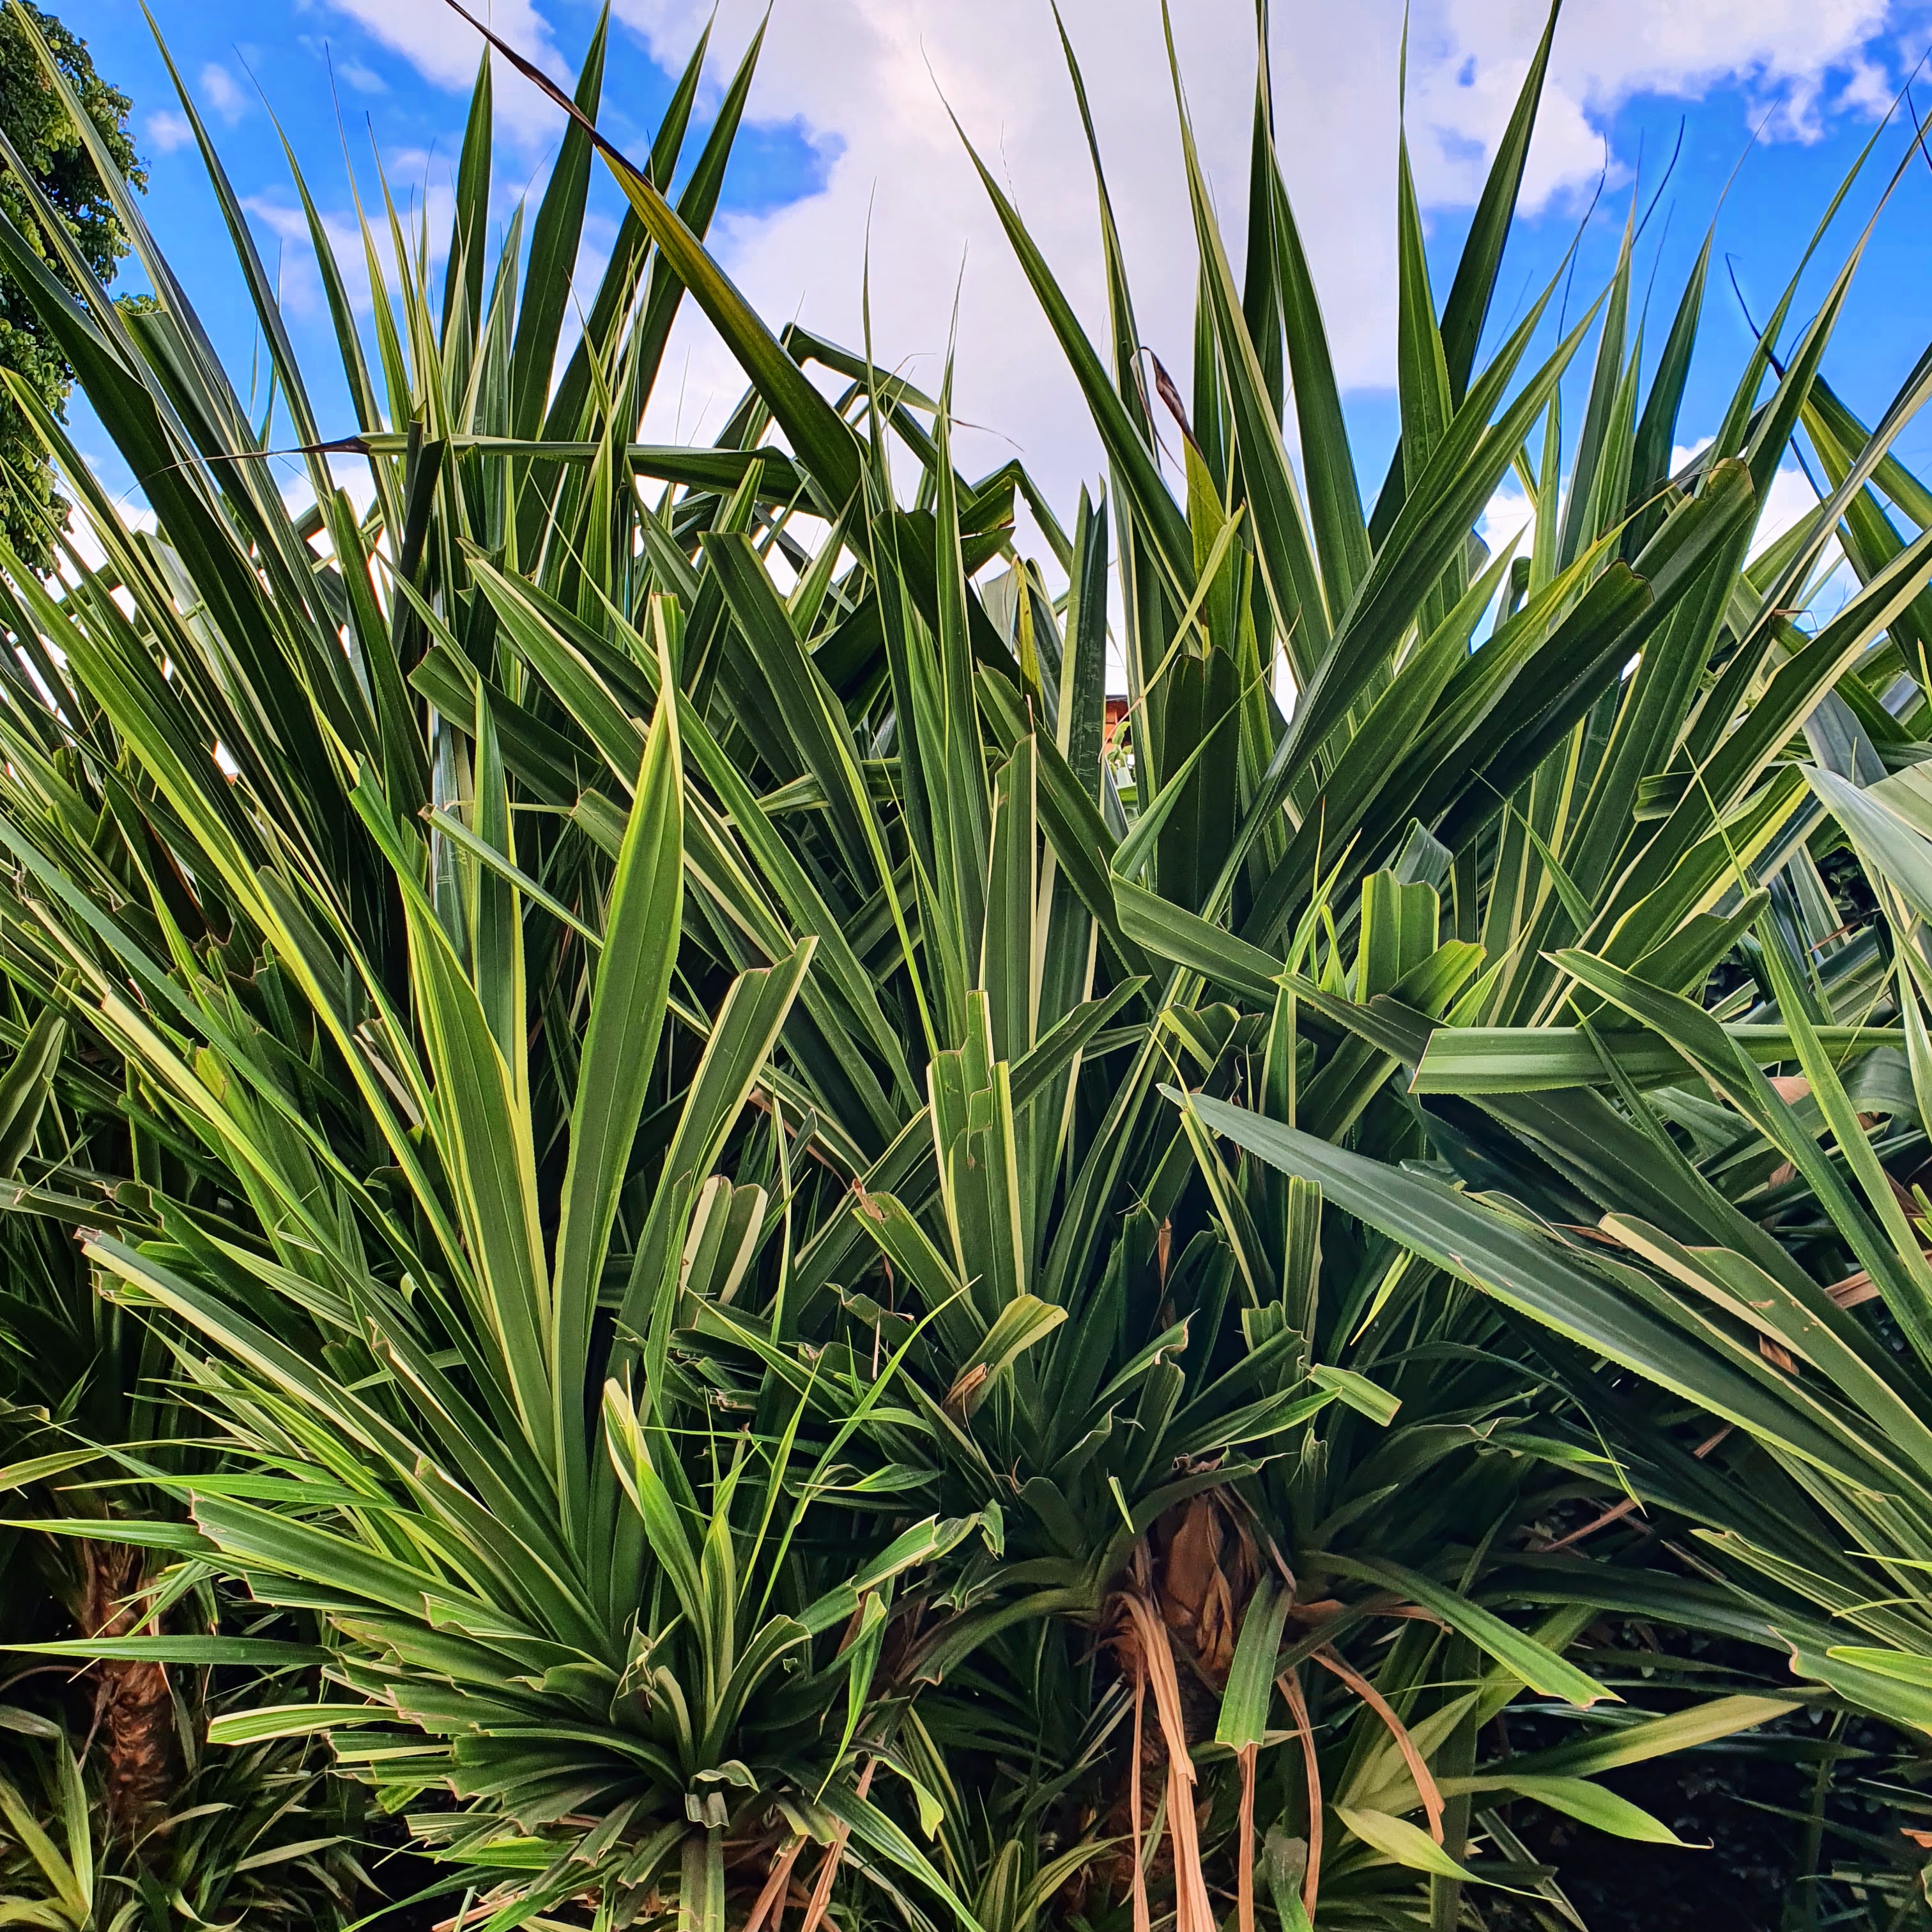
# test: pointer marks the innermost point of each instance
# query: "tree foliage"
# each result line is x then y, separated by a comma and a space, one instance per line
44, 143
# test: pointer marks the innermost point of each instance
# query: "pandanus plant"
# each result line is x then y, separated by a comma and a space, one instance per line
674, 1070
114, 1810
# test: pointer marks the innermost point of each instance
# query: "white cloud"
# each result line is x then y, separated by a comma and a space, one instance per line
869, 79
166, 130
1507, 518
349, 474
870, 74
223, 92
444, 49
419, 180
282, 236
363, 79
86, 539
1789, 500
1787, 53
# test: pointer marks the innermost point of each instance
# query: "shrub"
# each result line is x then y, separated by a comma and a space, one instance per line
669, 1095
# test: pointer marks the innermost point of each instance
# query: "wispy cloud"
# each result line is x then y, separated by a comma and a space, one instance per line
166, 130
344, 67
223, 92
424, 192
363, 79
444, 50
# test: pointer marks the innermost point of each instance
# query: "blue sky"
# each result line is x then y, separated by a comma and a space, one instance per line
848, 137
340, 95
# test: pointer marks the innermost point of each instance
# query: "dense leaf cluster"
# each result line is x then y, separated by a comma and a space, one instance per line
658, 1190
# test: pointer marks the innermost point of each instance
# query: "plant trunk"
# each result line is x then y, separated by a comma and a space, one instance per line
133, 1722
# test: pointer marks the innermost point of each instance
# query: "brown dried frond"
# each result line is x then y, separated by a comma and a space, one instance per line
773, 1897
1330, 1659
1140, 1640
816, 1908
1207, 1568
1289, 1685
1854, 1290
